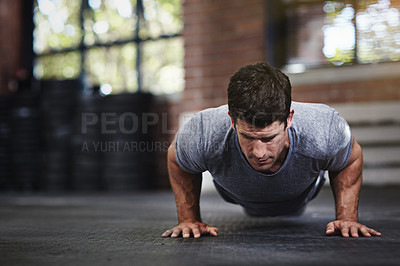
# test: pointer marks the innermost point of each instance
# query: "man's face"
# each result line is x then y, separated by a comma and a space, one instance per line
264, 148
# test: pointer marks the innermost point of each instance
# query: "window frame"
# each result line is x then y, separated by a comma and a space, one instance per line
278, 39
82, 48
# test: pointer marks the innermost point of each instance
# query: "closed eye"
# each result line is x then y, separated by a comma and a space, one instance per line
262, 139
246, 137
268, 139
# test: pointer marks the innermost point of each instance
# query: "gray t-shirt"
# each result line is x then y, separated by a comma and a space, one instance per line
319, 140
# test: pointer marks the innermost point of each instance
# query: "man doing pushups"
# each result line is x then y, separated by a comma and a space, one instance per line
267, 154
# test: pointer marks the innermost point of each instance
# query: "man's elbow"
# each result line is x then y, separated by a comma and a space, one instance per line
358, 154
171, 154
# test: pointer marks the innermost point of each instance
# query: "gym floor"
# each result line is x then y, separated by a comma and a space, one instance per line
125, 229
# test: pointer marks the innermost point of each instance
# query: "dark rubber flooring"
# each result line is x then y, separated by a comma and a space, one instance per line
125, 229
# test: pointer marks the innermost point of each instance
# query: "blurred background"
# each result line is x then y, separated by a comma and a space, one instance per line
93, 91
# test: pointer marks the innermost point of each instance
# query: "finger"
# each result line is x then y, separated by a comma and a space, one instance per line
364, 231
196, 232
354, 231
185, 232
374, 233
345, 231
167, 233
330, 229
212, 230
176, 232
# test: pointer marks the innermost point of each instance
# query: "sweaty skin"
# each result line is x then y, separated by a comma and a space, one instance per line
265, 149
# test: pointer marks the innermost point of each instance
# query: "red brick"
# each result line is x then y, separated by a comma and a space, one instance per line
10, 43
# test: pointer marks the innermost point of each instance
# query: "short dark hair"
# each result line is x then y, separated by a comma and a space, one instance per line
259, 95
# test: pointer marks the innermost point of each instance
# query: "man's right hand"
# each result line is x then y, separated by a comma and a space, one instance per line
191, 228
187, 188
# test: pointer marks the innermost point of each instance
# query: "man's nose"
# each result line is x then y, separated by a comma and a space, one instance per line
259, 149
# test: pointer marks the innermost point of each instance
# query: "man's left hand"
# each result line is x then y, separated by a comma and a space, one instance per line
349, 228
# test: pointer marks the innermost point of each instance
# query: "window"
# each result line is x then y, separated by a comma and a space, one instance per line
127, 45
319, 33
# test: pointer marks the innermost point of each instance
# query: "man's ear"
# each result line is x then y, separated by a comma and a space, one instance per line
232, 122
290, 118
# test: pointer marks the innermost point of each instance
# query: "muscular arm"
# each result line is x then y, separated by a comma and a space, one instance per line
186, 187
346, 185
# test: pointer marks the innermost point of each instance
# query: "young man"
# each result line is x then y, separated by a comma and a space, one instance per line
267, 154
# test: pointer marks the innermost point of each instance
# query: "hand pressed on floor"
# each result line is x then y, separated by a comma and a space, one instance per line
191, 228
348, 228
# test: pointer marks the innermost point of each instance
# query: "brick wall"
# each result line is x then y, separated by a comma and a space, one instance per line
10, 41
375, 90
220, 37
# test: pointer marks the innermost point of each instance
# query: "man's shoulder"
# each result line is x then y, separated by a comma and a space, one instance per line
312, 119
215, 113
318, 130
207, 117
318, 111
201, 138
208, 125
215, 123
